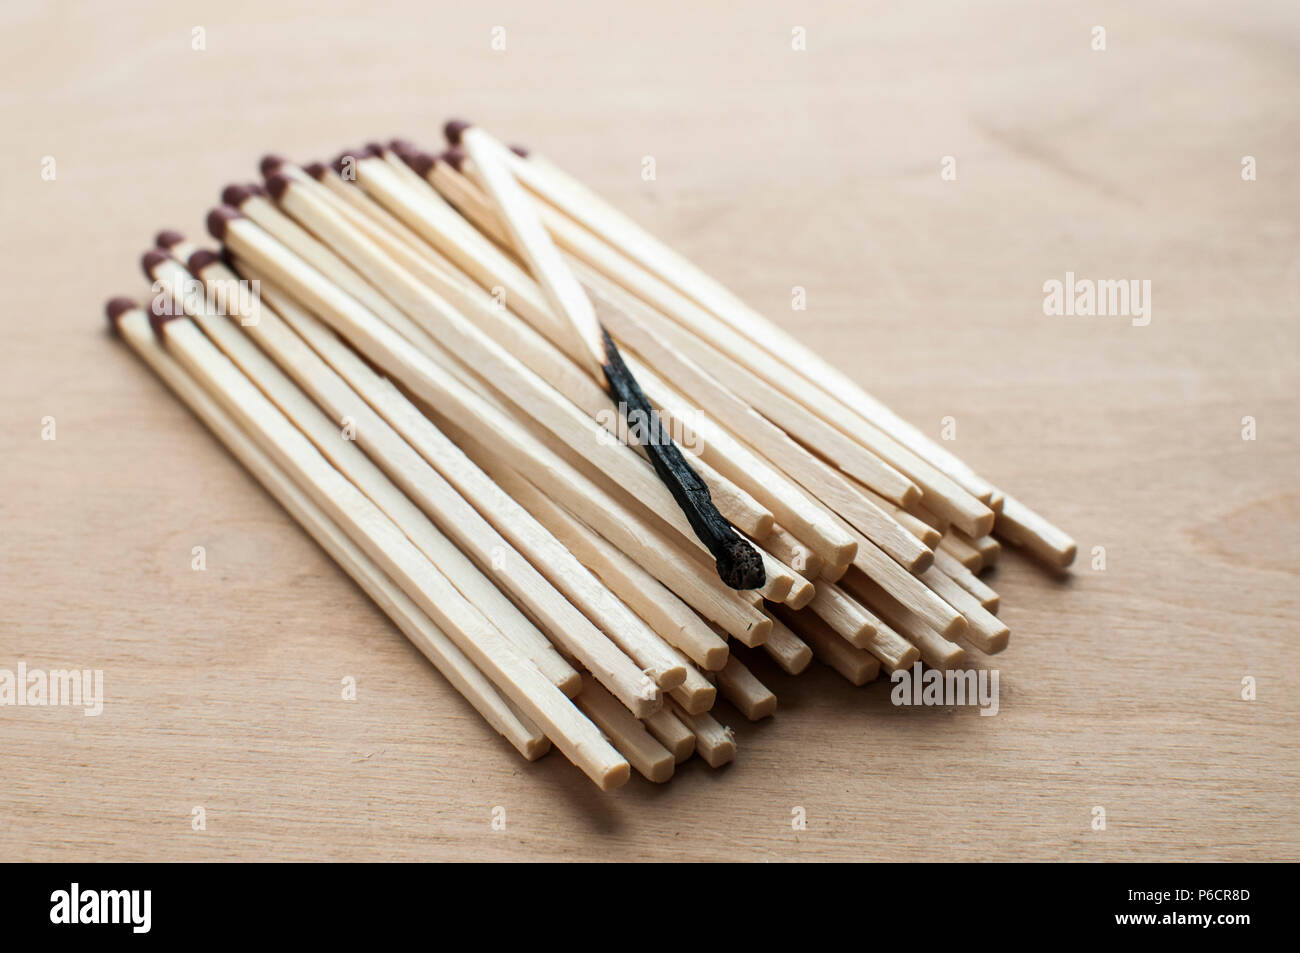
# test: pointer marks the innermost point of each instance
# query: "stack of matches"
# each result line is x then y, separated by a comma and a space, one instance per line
582, 477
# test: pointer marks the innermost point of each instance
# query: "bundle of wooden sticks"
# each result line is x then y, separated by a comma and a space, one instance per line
574, 470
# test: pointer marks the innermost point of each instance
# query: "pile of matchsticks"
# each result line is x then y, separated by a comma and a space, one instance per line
583, 478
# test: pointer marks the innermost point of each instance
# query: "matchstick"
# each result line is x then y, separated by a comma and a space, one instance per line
626, 631
133, 325
714, 742
856, 665
738, 563
1021, 526
380, 443
785, 547
623, 234
651, 759
787, 649
988, 548
673, 619
672, 734
525, 390
984, 630
739, 686
966, 554
937, 650
972, 583
496, 656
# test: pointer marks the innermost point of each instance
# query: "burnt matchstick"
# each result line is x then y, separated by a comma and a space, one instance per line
739, 564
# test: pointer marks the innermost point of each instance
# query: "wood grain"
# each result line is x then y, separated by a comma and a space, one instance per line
774, 168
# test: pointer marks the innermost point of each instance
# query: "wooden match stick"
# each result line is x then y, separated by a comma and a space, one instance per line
525, 390
382, 444
380, 539
785, 547
672, 734
133, 325
714, 742
972, 583
739, 686
936, 650
984, 630
738, 563
856, 665
787, 649
1021, 526
583, 590
621, 232
651, 759
962, 551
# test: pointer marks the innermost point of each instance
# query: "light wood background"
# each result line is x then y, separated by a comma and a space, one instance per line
775, 168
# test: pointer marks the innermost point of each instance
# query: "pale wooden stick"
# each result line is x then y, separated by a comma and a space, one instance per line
923, 531
672, 734
1021, 526
621, 233
440, 387
828, 486
666, 556
861, 628
720, 450
629, 736
697, 693
988, 548
671, 618
962, 551
527, 739
383, 446
558, 576
936, 650
714, 742
518, 678
972, 583
985, 631
785, 547
787, 649
857, 666
533, 395
739, 686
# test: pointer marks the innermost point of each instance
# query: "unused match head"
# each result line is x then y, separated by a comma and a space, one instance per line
219, 218
421, 162
152, 259
167, 238
454, 129
454, 157
317, 170
521, 151
202, 259
117, 307
277, 185
271, 164
402, 147
236, 195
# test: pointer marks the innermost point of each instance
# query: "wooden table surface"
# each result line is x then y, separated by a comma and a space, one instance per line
775, 168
